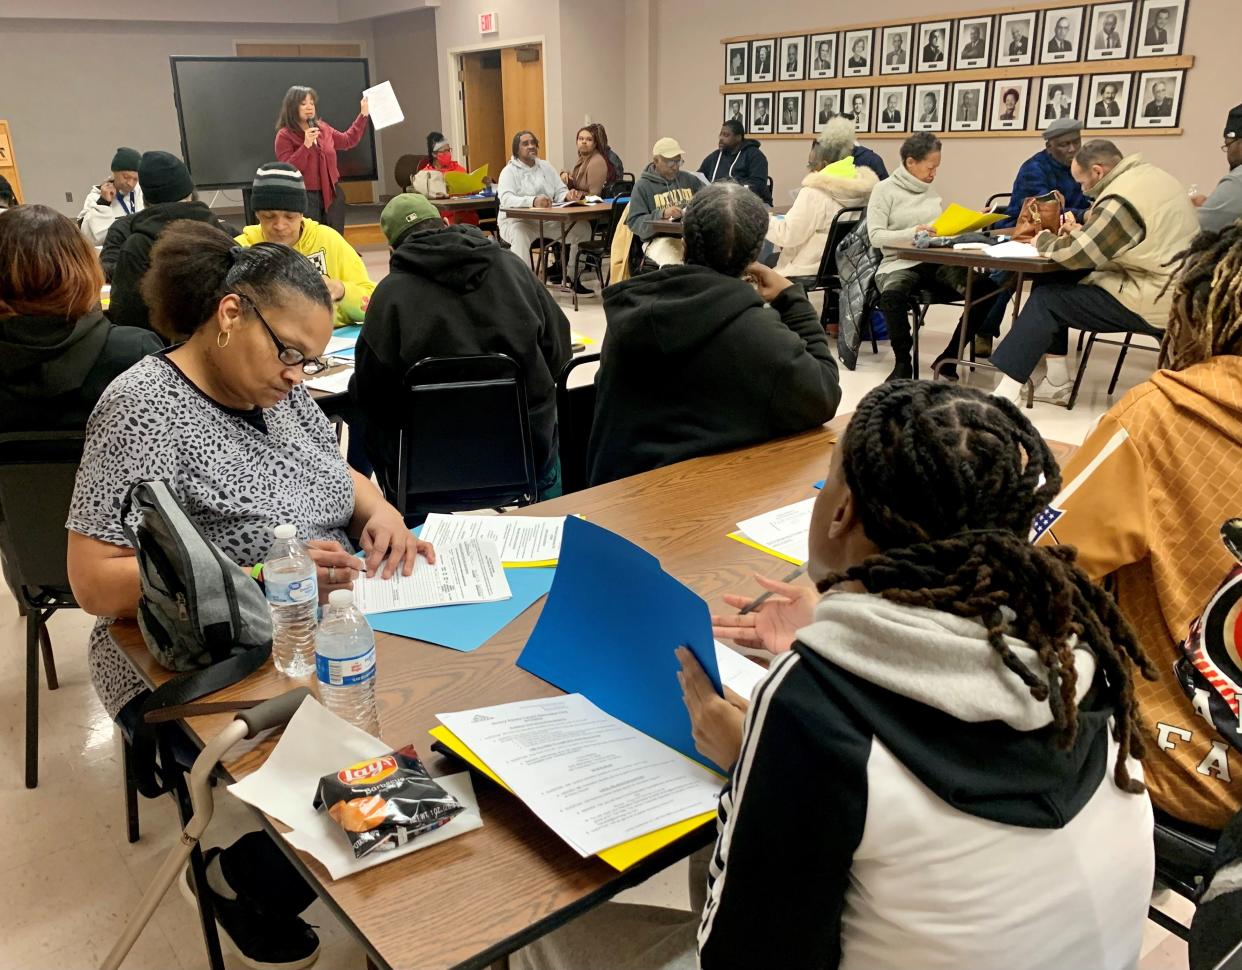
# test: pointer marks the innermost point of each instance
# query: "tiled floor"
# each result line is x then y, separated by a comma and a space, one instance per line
68, 878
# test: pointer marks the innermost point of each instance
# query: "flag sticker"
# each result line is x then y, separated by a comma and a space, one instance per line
1045, 521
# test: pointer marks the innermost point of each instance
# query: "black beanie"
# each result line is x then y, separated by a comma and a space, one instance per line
126, 160
163, 178
1233, 124
279, 186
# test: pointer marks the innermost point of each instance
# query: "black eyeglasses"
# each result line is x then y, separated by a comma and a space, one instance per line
1228, 144
289, 355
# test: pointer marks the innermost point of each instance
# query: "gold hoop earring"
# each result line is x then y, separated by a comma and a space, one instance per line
223, 337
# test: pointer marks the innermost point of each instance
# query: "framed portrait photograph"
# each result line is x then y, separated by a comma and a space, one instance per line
1161, 28
1108, 100
823, 55
762, 58
857, 101
933, 53
791, 61
827, 107
1062, 35
856, 50
890, 108
761, 113
927, 110
1158, 99
789, 121
737, 58
735, 109
1058, 98
1009, 104
895, 46
974, 42
1109, 27
1015, 39
967, 105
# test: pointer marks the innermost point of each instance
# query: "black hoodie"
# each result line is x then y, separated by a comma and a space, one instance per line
452, 292
694, 363
52, 371
745, 164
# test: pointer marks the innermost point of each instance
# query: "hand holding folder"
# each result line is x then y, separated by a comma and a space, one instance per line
957, 219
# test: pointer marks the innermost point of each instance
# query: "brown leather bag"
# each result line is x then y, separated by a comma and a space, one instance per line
1037, 214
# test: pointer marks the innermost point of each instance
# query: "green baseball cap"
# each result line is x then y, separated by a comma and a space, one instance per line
403, 212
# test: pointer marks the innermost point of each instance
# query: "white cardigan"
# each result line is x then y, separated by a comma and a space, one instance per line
802, 234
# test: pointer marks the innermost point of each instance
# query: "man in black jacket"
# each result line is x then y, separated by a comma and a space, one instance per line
451, 291
695, 363
739, 159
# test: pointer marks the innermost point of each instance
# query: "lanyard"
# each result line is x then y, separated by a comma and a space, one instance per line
127, 209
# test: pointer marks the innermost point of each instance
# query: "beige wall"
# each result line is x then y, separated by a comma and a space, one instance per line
687, 74
405, 54
593, 62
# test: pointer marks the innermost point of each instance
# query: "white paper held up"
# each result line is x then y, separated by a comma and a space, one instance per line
520, 538
469, 572
382, 102
315, 743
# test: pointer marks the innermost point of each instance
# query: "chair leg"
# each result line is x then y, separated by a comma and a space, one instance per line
49, 661
1082, 335
1082, 369
32, 699
577, 270
1121, 359
131, 792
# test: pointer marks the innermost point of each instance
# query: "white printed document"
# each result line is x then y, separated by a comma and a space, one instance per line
469, 572
738, 673
596, 781
522, 539
334, 383
382, 103
785, 530
337, 344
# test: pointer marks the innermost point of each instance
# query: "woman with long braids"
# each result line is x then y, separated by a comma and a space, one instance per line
1144, 503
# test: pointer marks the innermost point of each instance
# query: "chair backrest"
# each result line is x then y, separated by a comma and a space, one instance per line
37, 471
575, 415
465, 439
404, 170
771, 186
842, 225
618, 188
997, 197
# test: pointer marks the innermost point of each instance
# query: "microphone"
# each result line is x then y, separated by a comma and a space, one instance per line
314, 122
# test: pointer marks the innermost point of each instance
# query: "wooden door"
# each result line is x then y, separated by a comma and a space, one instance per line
8, 163
521, 70
487, 134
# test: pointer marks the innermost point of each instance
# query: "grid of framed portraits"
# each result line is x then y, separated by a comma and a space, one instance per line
1108, 30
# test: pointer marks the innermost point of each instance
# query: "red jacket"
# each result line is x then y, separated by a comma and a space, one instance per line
318, 164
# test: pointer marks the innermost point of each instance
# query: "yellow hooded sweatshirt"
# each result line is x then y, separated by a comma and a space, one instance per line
334, 258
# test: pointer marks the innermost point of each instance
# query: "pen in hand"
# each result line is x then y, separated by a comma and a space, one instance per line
759, 600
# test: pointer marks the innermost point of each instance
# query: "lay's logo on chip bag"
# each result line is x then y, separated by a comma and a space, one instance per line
368, 771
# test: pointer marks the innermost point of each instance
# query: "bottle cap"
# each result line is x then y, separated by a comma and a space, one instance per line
285, 531
341, 597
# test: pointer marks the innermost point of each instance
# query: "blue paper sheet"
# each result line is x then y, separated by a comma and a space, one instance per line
608, 631
469, 626
354, 331
346, 354
820, 483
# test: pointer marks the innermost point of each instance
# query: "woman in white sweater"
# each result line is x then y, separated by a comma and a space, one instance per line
802, 233
901, 206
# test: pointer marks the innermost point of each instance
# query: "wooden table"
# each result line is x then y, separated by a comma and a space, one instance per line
562, 217
466, 203
673, 227
469, 901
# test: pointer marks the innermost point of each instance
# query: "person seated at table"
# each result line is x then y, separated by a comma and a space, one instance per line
662, 192
834, 182
223, 419
901, 206
527, 182
739, 159
1044, 172
439, 158
1139, 508
695, 363
1224, 206
278, 196
115, 197
440, 299
601, 139
592, 170
955, 707
1117, 268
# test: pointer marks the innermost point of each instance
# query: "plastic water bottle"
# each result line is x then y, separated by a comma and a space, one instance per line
293, 594
345, 663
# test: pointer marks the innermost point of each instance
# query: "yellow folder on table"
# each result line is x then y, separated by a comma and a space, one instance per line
465, 183
957, 219
620, 857
747, 541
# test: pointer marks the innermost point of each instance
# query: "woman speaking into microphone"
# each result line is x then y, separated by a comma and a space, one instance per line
310, 144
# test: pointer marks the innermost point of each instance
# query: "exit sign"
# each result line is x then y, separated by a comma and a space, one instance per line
487, 23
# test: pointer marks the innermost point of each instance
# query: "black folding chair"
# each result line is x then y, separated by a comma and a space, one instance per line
1084, 355
575, 416
996, 197
771, 187
827, 278
597, 253
464, 440
1183, 857
618, 188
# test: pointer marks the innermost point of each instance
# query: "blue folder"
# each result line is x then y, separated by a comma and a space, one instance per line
354, 331
608, 631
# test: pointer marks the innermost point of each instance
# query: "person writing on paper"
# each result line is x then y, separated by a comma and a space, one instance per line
114, 198
739, 159
439, 158
311, 144
279, 199
223, 418
901, 206
662, 192
1224, 206
592, 171
834, 182
440, 299
697, 359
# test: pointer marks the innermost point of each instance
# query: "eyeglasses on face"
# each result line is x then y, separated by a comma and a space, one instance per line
290, 356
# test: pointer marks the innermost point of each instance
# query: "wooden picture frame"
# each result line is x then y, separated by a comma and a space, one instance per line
884, 103
896, 52
825, 107
764, 101
742, 102
790, 114
1006, 117
928, 115
968, 105
1108, 31
817, 65
974, 43
1016, 37
857, 101
734, 53
1174, 29
762, 60
935, 40
1148, 109
1058, 98
857, 51
791, 58
1102, 110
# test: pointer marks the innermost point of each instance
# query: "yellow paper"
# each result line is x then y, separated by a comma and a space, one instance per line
738, 537
530, 565
580, 338
957, 219
465, 183
620, 857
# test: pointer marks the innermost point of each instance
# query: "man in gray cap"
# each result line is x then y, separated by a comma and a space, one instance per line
115, 197
1224, 206
1040, 174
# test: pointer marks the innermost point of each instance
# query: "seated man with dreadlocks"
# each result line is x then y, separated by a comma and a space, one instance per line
1146, 498
938, 770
